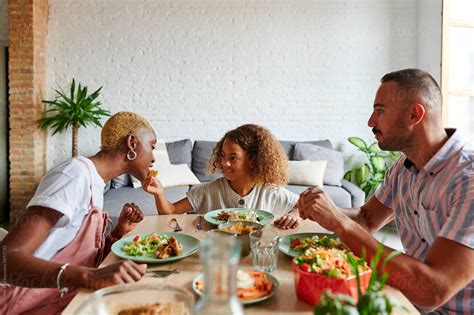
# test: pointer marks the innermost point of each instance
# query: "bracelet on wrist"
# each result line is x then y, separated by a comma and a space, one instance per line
62, 290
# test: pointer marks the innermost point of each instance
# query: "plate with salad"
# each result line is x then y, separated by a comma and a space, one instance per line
157, 247
238, 214
295, 244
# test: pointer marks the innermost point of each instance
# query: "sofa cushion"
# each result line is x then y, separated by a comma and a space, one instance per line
114, 199
335, 167
179, 152
202, 151
307, 173
161, 153
289, 146
122, 180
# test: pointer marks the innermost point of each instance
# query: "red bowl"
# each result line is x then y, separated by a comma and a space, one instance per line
310, 285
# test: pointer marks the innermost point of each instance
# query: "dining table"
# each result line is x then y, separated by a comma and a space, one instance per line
284, 301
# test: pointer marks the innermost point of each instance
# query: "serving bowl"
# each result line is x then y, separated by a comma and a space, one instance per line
243, 238
310, 285
115, 299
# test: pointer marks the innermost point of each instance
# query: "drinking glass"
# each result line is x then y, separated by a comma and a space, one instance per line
264, 245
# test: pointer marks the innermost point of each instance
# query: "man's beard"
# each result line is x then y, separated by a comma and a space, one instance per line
391, 141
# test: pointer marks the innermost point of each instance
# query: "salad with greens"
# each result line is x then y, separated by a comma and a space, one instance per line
302, 244
146, 246
234, 215
331, 262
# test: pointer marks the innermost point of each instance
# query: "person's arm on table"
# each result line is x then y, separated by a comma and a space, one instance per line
429, 283
291, 220
23, 269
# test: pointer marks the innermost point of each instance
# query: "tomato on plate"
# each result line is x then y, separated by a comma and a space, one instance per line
295, 242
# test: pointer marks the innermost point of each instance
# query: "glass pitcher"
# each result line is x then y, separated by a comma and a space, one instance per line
220, 258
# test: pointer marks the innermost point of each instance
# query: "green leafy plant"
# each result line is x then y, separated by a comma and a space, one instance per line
369, 176
373, 301
76, 109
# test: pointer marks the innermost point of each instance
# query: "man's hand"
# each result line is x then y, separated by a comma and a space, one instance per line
287, 221
119, 273
316, 205
129, 217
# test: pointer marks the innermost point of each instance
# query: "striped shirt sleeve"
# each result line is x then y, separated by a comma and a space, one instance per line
459, 225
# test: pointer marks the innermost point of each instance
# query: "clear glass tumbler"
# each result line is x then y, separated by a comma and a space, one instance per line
264, 245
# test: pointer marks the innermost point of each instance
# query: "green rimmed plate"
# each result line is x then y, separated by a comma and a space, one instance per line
266, 217
190, 246
276, 285
285, 241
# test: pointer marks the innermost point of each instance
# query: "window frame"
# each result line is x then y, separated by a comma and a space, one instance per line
447, 24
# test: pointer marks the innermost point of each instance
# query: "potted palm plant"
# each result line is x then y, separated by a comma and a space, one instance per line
74, 110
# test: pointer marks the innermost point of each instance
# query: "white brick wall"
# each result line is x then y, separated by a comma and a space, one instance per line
195, 69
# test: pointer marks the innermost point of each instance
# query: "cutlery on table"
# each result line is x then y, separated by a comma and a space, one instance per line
175, 225
161, 273
198, 224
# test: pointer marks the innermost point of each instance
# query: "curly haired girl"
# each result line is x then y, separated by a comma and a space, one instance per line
254, 166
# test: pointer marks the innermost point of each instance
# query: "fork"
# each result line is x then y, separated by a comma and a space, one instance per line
198, 224
162, 273
175, 225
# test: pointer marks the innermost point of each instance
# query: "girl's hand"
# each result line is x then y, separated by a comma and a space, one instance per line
119, 273
287, 222
152, 185
129, 217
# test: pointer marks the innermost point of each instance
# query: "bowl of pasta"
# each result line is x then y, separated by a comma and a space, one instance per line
319, 269
241, 230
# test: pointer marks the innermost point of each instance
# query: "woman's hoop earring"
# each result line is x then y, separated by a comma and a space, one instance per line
131, 155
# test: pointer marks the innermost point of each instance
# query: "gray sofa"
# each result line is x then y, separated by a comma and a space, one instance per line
196, 156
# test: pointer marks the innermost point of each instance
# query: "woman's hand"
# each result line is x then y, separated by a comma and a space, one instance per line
152, 185
122, 272
129, 217
287, 221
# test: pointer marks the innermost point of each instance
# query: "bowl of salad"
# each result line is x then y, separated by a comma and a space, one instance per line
241, 231
319, 269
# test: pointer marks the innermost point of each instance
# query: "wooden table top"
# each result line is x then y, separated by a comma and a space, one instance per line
284, 301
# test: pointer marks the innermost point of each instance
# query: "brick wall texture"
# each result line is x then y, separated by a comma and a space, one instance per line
27, 22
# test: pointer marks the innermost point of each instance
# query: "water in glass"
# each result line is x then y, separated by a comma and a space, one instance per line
264, 245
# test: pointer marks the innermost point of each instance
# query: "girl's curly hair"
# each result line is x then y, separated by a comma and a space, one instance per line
268, 163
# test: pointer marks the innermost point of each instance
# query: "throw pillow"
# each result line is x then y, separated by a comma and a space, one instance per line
335, 166
172, 175
289, 146
306, 173
161, 153
202, 151
179, 152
